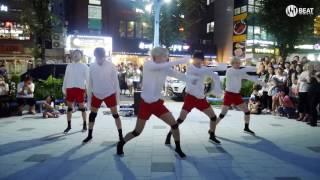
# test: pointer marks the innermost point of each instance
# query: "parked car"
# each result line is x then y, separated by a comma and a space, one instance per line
178, 87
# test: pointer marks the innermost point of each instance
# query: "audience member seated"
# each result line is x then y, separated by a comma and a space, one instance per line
48, 108
286, 108
25, 96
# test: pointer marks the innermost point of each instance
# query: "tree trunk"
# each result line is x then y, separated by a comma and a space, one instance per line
43, 51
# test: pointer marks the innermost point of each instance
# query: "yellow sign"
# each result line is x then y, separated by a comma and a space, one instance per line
240, 17
239, 38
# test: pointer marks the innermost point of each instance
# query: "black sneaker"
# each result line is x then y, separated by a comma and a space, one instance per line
120, 148
67, 130
168, 139
89, 138
247, 130
180, 153
214, 139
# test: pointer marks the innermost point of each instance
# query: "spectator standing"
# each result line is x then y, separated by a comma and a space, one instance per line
25, 95
303, 87
314, 95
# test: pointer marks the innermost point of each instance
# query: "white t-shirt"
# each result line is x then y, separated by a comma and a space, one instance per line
76, 76
234, 79
103, 81
196, 87
136, 75
154, 77
25, 91
4, 89
303, 80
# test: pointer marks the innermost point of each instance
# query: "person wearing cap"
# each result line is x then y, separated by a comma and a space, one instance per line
155, 72
232, 96
74, 86
195, 96
103, 87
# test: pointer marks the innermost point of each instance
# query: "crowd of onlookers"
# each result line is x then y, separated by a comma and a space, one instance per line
291, 89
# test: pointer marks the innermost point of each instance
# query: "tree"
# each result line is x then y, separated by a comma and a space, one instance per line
176, 20
287, 31
39, 18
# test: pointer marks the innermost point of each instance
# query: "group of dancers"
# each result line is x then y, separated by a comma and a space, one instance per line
100, 83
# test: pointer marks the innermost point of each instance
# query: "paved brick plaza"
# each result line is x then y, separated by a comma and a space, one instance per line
34, 148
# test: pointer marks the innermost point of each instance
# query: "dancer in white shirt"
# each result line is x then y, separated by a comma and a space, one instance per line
234, 77
74, 84
155, 72
103, 87
195, 97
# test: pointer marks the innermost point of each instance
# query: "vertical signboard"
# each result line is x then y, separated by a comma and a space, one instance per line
240, 28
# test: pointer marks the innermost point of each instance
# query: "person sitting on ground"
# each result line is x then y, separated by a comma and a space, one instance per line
48, 108
255, 103
4, 87
25, 95
286, 108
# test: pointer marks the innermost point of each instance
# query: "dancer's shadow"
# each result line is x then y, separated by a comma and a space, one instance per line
122, 167
17, 146
204, 166
307, 163
61, 166
206, 171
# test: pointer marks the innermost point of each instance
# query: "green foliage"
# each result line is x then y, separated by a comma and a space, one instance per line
52, 86
40, 19
246, 88
288, 31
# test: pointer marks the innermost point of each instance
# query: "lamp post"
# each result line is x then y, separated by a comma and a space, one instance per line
157, 4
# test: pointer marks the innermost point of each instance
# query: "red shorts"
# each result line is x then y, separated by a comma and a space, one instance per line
232, 99
191, 102
110, 101
147, 109
75, 95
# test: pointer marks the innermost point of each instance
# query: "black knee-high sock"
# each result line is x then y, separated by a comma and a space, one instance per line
178, 147
69, 124
120, 135
246, 126
90, 132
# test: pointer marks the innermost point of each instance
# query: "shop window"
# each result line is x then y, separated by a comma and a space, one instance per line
139, 30
122, 29
130, 29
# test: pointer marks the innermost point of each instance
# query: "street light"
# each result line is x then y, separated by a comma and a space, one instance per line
157, 7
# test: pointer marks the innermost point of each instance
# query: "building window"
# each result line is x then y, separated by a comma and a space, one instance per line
210, 27
251, 2
250, 9
243, 9
209, 2
122, 29
146, 30
139, 30
130, 29
237, 11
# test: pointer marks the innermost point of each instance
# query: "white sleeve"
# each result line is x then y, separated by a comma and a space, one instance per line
64, 86
87, 76
177, 75
248, 77
157, 66
117, 84
217, 89
89, 90
32, 87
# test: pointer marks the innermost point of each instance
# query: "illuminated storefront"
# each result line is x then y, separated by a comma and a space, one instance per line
87, 44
